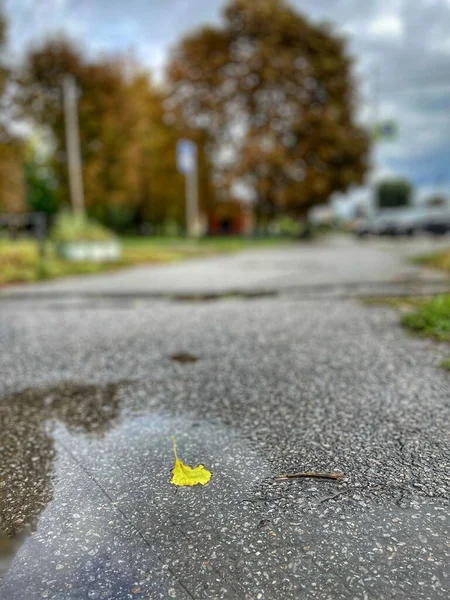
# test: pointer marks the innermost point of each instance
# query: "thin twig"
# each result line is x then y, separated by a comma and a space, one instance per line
335, 476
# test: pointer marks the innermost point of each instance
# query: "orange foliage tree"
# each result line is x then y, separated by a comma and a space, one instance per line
275, 96
11, 148
128, 150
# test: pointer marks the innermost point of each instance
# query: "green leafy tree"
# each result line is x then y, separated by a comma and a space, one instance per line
393, 193
275, 95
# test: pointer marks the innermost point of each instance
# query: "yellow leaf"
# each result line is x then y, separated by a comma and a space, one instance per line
185, 475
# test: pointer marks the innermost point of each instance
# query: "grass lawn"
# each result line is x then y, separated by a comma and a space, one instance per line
437, 260
19, 260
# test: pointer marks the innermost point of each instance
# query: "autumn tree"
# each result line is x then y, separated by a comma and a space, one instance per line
110, 125
11, 183
128, 150
163, 194
275, 95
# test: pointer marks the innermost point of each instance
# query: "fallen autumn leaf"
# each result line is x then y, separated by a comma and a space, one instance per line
184, 475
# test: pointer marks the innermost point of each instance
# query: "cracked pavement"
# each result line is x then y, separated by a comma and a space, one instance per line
90, 395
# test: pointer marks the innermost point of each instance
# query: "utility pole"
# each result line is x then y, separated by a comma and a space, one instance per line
73, 145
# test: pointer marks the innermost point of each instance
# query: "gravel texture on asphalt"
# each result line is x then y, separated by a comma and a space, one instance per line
90, 397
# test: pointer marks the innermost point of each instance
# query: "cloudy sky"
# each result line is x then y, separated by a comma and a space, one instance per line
401, 47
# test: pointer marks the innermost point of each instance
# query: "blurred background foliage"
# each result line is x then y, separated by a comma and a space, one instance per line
268, 97
393, 193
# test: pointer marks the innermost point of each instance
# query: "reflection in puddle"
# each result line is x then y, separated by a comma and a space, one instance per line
8, 548
27, 449
115, 525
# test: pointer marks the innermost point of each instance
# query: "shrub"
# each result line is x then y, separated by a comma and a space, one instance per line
285, 226
77, 228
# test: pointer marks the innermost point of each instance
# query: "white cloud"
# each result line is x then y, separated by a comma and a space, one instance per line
386, 26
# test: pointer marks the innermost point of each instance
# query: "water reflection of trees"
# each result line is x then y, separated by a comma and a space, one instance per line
26, 444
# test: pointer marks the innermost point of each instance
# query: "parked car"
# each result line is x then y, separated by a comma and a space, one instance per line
437, 221
406, 221
388, 223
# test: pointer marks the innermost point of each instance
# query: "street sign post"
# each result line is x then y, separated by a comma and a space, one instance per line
187, 165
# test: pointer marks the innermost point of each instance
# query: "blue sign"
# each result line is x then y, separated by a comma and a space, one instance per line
186, 156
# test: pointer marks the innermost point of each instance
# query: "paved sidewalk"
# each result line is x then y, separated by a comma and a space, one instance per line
90, 397
329, 262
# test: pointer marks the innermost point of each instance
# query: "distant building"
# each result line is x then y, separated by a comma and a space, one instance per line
231, 217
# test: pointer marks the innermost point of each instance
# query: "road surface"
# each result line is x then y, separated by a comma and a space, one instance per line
305, 378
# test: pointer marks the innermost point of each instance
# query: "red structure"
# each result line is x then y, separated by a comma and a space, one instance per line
230, 217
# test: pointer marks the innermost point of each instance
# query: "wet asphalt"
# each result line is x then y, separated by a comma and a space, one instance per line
253, 386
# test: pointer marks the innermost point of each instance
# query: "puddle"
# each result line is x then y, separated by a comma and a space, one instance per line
115, 519
111, 525
9, 546
27, 449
